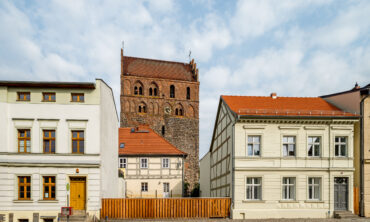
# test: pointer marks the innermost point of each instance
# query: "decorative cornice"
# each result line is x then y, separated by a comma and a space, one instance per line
254, 126
274, 169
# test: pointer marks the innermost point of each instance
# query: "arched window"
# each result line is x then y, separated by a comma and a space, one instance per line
188, 93
142, 108
179, 110
153, 90
138, 88
172, 91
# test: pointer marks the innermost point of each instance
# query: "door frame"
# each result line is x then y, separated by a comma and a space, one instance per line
70, 186
348, 192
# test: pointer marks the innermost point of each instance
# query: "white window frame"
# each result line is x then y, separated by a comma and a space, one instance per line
166, 185
144, 164
144, 187
314, 187
253, 186
253, 144
313, 143
288, 186
122, 163
340, 143
164, 160
289, 143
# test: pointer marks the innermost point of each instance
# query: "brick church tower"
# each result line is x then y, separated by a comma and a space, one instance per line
165, 96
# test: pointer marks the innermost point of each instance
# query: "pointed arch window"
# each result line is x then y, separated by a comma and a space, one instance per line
153, 90
172, 91
142, 108
138, 88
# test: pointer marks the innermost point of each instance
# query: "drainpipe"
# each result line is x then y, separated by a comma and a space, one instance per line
233, 168
362, 158
330, 145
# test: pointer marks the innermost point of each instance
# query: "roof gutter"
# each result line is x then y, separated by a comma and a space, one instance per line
300, 117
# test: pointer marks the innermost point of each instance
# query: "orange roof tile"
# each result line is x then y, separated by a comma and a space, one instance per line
144, 141
282, 106
152, 68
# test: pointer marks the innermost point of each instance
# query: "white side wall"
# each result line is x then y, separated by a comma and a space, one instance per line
205, 178
109, 142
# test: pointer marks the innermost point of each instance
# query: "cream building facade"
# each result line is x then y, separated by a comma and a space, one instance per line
281, 157
150, 166
357, 100
58, 145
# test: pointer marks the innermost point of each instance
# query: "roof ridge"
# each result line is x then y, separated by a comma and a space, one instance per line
157, 60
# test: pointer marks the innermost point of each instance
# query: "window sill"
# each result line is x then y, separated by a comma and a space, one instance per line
48, 201
253, 201
288, 201
314, 201
23, 201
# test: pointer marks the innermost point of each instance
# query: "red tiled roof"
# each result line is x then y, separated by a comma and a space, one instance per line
144, 141
282, 106
151, 68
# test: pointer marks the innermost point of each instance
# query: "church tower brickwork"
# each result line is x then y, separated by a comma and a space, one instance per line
165, 96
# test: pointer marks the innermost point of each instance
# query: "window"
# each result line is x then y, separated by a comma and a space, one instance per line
188, 93
78, 97
143, 163
289, 146
150, 91
340, 146
166, 187
138, 88
314, 188
254, 145
172, 91
142, 108
24, 187
163, 130
314, 146
122, 145
24, 141
288, 188
122, 163
49, 141
49, 188
24, 96
254, 188
144, 187
48, 97
179, 112
165, 163
78, 142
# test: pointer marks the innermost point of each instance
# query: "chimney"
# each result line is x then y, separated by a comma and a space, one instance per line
273, 95
356, 86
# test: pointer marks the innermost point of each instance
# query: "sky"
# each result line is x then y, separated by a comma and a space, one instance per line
295, 48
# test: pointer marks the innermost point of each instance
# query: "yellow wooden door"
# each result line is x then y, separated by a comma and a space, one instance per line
78, 193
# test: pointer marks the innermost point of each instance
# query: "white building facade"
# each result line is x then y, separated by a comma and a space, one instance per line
275, 163
58, 147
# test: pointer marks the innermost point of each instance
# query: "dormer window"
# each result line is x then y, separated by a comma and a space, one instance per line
78, 97
48, 97
122, 145
24, 96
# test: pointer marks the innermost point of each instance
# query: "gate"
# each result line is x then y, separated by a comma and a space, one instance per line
340, 193
126, 208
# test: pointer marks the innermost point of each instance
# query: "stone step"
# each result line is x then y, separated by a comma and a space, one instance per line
344, 214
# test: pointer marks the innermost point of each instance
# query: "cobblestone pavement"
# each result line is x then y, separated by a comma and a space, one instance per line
360, 219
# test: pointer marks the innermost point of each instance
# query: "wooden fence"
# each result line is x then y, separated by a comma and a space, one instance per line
165, 208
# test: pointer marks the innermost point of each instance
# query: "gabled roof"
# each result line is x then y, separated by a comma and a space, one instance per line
151, 68
355, 89
283, 106
144, 141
